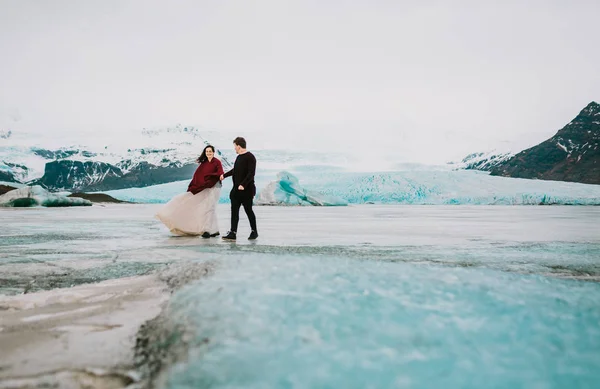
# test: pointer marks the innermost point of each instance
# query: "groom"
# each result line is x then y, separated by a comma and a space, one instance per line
243, 190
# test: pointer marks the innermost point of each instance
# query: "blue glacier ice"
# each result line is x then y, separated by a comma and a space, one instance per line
398, 314
31, 196
449, 187
410, 186
286, 190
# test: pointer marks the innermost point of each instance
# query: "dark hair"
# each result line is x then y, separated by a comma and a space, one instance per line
202, 157
240, 142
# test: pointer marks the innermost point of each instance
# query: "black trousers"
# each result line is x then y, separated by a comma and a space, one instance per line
238, 199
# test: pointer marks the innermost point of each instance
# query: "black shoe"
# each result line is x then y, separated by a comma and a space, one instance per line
206, 235
230, 236
215, 234
253, 235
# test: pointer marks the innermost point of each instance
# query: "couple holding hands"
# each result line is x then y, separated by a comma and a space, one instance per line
195, 211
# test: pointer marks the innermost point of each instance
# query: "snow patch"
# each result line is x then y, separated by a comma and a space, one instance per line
562, 147
482, 161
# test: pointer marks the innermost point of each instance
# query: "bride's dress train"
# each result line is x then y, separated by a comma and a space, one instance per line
189, 214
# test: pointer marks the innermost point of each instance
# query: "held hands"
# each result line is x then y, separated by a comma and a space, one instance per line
241, 187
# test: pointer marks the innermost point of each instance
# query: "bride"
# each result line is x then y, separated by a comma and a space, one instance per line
195, 211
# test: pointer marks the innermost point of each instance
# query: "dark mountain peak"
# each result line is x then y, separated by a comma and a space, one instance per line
573, 154
585, 127
592, 109
590, 115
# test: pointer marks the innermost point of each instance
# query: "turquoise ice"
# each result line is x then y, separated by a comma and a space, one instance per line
364, 296
426, 186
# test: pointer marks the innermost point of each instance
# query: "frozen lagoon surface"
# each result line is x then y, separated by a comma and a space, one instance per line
369, 296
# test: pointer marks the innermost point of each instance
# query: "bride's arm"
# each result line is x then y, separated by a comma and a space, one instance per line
219, 169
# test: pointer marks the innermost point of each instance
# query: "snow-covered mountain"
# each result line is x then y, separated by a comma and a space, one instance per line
153, 156
101, 162
91, 162
484, 161
573, 154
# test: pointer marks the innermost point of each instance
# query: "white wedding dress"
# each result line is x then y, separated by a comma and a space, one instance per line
189, 214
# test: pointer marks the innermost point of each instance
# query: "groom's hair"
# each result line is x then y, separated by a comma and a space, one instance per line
240, 142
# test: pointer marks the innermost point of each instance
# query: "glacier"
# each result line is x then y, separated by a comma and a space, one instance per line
450, 187
31, 196
415, 186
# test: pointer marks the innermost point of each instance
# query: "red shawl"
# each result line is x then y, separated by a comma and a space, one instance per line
206, 176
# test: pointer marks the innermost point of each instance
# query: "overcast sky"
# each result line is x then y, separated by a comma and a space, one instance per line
403, 75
